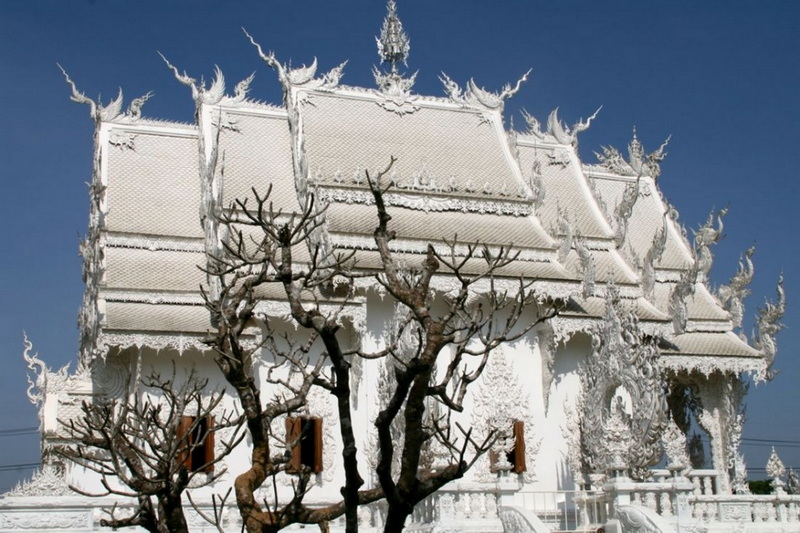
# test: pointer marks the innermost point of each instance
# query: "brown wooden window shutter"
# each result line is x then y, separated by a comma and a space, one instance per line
519, 447
185, 442
196, 448
293, 430
304, 439
208, 446
317, 466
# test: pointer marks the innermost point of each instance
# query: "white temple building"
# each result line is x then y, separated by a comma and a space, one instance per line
643, 355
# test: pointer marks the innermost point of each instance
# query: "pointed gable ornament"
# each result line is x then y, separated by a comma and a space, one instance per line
639, 163
393, 44
393, 48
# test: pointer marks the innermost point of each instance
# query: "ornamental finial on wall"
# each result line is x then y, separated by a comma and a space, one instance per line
776, 470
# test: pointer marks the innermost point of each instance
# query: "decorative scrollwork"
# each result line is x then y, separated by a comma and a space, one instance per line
625, 407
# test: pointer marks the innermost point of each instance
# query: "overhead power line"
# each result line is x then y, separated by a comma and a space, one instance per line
773, 441
6, 468
13, 432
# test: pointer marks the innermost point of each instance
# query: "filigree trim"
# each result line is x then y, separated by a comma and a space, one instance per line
181, 343
707, 365
154, 243
427, 203
364, 242
153, 298
48, 481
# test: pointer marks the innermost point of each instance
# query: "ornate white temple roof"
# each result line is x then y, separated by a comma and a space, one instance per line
457, 173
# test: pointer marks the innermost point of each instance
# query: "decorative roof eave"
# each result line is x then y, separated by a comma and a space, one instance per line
250, 108
181, 342
151, 297
710, 326
709, 364
421, 199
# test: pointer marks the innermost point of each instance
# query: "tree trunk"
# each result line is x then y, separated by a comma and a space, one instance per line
171, 517
396, 518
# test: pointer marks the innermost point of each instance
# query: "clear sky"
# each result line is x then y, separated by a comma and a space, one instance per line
721, 77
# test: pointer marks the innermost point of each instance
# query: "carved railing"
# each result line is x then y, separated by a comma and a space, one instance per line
567, 510
471, 508
747, 508
704, 481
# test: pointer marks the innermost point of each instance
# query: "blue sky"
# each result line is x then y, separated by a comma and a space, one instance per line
720, 77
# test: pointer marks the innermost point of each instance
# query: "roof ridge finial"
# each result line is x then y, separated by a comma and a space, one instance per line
393, 44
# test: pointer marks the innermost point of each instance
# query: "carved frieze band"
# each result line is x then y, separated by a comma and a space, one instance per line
707, 365
154, 243
428, 203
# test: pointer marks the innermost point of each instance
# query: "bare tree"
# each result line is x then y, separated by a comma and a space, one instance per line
250, 261
266, 247
465, 325
153, 446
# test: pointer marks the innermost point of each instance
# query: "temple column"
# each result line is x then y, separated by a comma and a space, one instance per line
712, 418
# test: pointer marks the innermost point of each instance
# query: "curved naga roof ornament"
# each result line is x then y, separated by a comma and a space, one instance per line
638, 163
36, 367
91, 247
562, 133
704, 238
768, 324
651, 258
200, 94
733, 294
678, 306
586, 266
478, 97
97, 111
625, 407
624, 210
